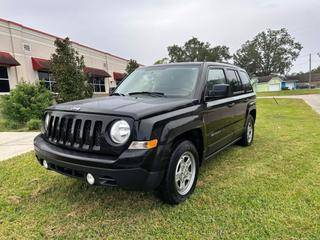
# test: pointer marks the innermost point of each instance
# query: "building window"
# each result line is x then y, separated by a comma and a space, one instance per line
4, 80
48, 79
98, 84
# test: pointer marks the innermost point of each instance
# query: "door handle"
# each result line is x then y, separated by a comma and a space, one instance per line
231, 104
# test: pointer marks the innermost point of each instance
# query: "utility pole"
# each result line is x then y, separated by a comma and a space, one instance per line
309, 70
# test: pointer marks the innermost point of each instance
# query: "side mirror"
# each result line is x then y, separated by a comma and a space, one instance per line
218, 91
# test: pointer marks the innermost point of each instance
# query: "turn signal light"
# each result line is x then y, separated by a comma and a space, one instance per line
144, 144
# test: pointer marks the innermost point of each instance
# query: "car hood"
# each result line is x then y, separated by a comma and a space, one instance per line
135, 107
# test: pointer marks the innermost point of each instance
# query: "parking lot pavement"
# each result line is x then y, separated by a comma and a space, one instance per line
312, 99
15, 143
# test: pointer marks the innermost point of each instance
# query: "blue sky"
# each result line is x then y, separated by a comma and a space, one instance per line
143, 29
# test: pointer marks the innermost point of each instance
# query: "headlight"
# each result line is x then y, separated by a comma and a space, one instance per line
120, 132
46, 122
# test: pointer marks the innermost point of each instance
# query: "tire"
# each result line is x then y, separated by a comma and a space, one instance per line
248, 134
175, 187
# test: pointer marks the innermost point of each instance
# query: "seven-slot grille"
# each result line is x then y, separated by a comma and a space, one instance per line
72, 132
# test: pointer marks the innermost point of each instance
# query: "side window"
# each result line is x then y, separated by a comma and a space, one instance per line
4, 80
245, 81
234, 81
215, 76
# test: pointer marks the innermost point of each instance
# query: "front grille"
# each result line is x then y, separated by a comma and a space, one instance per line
75, 133
84, 132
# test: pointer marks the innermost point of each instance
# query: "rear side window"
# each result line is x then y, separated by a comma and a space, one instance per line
234, 81
215, 76
245, 81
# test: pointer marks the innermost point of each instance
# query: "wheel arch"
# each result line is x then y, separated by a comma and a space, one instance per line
253, 113
195, 136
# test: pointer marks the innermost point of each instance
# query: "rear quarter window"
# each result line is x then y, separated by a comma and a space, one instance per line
245, 81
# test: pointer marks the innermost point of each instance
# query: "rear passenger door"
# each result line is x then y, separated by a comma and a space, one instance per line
218, 115
239, 101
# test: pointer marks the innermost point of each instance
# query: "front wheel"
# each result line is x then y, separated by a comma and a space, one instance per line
248, 134
181, 175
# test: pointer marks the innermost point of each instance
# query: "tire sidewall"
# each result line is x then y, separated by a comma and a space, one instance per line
250, 119
177, 153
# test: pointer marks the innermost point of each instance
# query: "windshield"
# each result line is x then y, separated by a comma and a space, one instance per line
172, 81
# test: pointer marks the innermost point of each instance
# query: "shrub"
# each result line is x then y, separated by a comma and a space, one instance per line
34, 124
10, 125
25, 102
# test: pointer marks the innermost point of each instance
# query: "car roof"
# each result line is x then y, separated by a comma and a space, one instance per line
196, 63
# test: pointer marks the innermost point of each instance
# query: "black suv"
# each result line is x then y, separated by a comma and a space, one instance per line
154, 131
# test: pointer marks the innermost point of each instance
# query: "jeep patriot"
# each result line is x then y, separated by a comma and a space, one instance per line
154, 131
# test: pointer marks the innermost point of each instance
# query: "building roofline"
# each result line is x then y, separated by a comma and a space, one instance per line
54, 36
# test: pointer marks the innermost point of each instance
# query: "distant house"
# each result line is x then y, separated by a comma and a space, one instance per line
268, 83
303, 79
289, 84
275, 82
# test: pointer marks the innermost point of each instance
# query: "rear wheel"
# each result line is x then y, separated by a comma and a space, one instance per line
248, 134
181, 175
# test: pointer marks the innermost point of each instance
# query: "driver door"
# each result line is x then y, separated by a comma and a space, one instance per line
218, 113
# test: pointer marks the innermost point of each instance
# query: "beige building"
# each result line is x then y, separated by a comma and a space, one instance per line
25, 54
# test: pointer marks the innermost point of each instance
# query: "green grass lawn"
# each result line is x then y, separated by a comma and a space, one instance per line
270, 190
290, 92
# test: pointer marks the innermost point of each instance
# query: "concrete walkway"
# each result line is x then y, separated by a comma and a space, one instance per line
15, 143
312, 99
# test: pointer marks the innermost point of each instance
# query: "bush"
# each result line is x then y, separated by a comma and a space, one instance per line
25, 102
11, 125
34, 124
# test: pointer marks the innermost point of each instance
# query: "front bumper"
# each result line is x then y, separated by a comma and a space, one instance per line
105, 169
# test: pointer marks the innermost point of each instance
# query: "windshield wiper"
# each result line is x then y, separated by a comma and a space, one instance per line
117, 94
148, 93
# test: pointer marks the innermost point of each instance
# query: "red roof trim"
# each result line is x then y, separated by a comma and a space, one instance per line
118, 76
50, 35
96, 72
39, 64
8, 60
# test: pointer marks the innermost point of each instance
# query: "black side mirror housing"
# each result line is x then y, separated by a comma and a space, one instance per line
218, 91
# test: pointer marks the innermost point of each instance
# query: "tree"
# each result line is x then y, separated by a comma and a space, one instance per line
68, 71
271, 51
162, 61
194, 50
316, 70
131, 66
